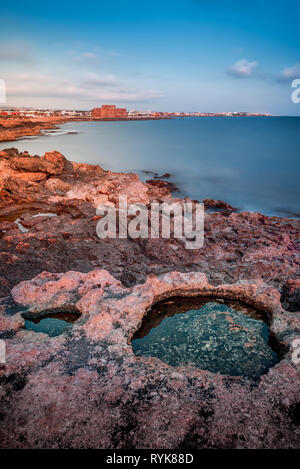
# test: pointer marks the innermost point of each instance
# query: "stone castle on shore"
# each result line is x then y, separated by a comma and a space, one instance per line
108, 111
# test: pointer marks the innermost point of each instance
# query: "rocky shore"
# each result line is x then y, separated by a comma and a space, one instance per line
86, 388
15, 128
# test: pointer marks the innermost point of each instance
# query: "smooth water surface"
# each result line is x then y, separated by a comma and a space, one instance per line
52, 324
214, 337
252, 163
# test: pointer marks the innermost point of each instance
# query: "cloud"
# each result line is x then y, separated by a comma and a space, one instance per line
78, 78
94, 79
89, 55
91, 90
238, 50
289, 73
114, 54
85, 58
16, 53
242, 69
246, 69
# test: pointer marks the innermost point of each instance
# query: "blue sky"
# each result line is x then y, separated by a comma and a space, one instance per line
189, 55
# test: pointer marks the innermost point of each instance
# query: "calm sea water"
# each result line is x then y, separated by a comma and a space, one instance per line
215, 338
252, 163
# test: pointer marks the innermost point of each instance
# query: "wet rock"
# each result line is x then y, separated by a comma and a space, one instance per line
290, 297
140, 401
163, 176
12, 129
4, 287
166, 186
208, 335
236, 246
11, 152
218, 204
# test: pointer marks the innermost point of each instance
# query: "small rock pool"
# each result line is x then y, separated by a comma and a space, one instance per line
51, 323
228, 338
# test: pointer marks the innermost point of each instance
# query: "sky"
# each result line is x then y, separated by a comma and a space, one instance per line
179, 55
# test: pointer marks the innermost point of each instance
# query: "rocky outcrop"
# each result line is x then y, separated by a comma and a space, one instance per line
218, 204
167, 185
55, 391
86, 388
52, 163
14, 128
25, 169
291, 295
19, 127
236, 245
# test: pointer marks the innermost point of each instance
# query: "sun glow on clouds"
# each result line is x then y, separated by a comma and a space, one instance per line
80, 78
290, 73
172, 55
16, 53
243, 69
92, 88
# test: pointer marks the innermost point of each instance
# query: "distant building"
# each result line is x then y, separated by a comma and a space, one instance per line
108, 111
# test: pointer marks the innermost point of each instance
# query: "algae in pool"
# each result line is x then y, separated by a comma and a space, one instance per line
52, 324
212, 337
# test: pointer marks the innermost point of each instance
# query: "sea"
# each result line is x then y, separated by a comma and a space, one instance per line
253, 163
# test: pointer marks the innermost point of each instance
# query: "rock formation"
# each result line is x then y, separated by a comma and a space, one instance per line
86, 388
12, 129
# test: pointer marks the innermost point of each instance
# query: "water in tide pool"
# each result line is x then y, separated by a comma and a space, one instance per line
52, 324
252, 163
212, 337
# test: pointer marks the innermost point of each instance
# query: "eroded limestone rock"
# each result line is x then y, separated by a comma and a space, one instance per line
86, 388
55, 391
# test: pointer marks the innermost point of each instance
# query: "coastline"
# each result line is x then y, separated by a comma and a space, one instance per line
12, 129
52, 259
54, 183
196, 139
15, 128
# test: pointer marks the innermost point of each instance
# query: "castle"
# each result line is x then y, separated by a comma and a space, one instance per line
108, 111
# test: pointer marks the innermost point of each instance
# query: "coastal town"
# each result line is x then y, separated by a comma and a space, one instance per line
24, 122
109, 111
